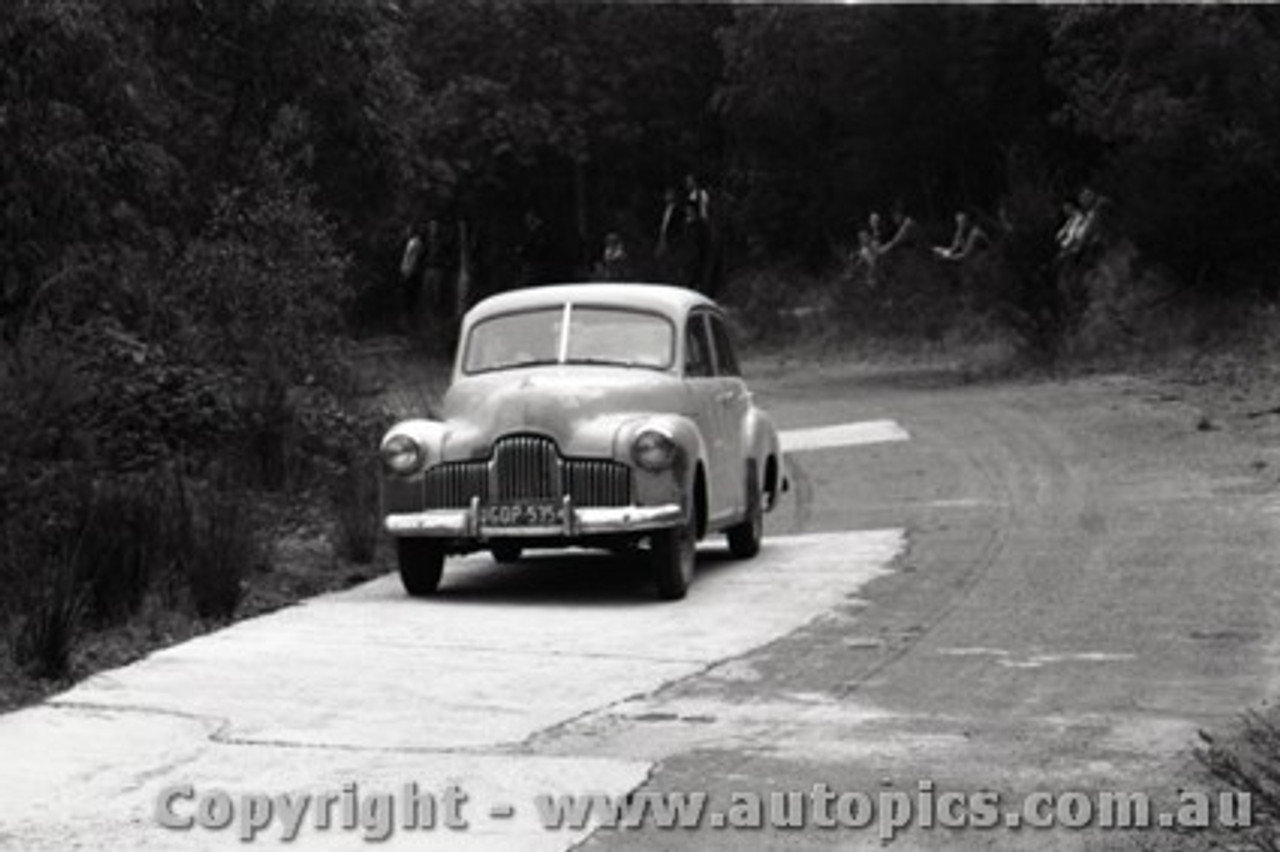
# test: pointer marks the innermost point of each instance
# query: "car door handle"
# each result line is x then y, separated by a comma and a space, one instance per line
726, 396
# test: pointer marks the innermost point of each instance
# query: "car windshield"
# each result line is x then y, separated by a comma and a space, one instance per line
596, 335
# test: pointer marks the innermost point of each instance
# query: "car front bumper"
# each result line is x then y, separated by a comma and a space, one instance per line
578, 522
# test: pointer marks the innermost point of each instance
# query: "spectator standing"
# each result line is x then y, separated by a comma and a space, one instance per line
693, 250
1069, 233
613, 265
670, 235
1095, 212
437, 261
707, 236
411, 272
534, 251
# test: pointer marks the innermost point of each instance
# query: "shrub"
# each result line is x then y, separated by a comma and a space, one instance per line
358, 520
778, 304
1247, 759
134, 534
225, 546
1031, 293
52, 615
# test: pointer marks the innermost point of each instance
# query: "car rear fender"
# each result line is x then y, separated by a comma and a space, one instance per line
762, 444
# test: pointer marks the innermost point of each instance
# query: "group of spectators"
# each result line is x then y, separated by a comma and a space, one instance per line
877, 247
1082, 235
438, 266
439, 259
687, 250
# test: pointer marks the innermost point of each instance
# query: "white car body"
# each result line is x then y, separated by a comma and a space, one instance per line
552, 388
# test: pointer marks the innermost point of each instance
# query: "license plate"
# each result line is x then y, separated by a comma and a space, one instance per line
522, 515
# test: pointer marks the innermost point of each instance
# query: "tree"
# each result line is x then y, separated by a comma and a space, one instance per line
1183, 103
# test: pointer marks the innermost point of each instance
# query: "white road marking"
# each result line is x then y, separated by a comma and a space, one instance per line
1035, 661
373, 687
1040, 660
842, 435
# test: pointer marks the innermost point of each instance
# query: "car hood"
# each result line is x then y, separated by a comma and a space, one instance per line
580, 406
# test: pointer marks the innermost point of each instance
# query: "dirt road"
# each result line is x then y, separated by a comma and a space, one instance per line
1090, 579
1016, 587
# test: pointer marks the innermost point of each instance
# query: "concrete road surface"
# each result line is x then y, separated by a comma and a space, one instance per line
1011, 589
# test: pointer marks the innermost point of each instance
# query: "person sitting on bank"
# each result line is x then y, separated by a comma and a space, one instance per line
865, 260
906, 231
967, 238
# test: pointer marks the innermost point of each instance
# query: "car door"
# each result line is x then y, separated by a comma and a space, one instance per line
702, 386
734, 403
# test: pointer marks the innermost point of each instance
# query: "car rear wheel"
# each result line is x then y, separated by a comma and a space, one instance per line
744, 538
506, 552
673, 553
421, 565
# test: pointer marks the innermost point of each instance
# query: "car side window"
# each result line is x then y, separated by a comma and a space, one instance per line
726, 362
697, 356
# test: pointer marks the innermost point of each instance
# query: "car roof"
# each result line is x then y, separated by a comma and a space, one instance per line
660, 298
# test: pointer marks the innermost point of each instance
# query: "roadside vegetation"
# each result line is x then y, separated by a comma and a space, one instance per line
206, 207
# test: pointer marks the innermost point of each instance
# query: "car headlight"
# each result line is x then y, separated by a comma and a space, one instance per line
401, 454
654, 449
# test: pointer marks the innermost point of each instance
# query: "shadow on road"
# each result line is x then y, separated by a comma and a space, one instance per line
556, 577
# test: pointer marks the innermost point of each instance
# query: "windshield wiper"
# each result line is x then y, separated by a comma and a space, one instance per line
613, 362
511, 365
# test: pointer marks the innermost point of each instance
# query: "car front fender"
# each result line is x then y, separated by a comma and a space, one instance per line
674, 483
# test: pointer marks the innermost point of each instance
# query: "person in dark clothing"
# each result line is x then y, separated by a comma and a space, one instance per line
693, 254
670, 236
411, 271
707, 237
534, 251
439, 254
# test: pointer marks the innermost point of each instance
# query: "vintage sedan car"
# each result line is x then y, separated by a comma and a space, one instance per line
594, 415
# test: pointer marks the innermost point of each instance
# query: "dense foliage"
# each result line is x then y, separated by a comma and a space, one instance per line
202, 200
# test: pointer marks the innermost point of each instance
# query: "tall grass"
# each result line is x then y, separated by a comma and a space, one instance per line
44, 634
357, 520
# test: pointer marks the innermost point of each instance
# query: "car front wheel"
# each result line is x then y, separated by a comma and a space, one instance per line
744, 538
421, 565
673, 553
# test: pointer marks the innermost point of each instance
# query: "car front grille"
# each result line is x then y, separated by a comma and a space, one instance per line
597, 483
528, 467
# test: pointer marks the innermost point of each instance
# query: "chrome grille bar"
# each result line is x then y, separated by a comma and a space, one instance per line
452, 485
597, 482
528, 467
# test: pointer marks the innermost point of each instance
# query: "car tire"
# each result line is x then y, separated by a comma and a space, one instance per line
506, 552
744, 538
673, 554
421, 565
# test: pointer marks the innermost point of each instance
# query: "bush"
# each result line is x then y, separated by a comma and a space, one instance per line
775, 305
358, 524
134, 533
49, 625
1035, 296
1247, 759
225, 546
